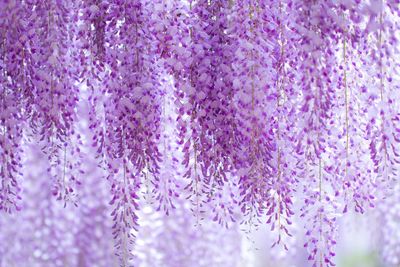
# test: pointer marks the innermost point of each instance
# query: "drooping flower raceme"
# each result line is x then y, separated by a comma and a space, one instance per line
254, 111
132, 109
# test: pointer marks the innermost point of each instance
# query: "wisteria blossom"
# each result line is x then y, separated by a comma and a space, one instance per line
139, 131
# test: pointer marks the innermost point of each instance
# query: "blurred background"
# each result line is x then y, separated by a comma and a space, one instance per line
45, 233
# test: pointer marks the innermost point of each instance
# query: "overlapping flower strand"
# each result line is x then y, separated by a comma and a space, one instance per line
252, 69
282, 184
317, 67
246, 108
55, 93
132, 116
11, 65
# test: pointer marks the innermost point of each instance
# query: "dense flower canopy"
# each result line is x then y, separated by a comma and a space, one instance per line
237, 113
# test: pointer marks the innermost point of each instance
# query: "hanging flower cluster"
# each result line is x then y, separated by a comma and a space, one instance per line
256, 111
39, 91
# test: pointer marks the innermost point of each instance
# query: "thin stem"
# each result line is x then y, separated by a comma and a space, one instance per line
346, 97
123, 156
319, 211
3, 98
50, 26
165, 141
380, 55
124, 234
4, 163
5, 181
251, 11
381, 81
196, 184
279, 93
252, 142
194, 142
252, 110
136, 41
320, 178
64, 171
165, 128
